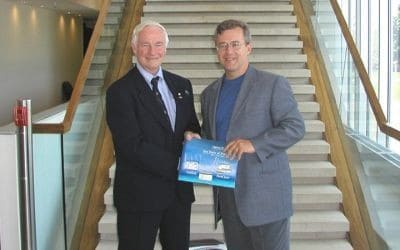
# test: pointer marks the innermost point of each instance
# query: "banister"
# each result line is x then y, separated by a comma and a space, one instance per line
362, 72
65, 125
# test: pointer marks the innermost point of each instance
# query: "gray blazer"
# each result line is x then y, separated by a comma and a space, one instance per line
266, 113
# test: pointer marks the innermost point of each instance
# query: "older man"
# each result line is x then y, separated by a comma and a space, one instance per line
148, 112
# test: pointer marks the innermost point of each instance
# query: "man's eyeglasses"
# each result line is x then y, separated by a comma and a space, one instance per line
235, 45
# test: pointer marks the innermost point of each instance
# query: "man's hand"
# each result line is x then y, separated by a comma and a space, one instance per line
190, 135
235, 148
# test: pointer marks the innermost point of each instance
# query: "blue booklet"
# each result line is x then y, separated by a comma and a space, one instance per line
203, 161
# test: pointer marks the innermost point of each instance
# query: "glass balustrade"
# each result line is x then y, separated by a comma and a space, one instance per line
78, 148
379, 173
61, 167
49, 191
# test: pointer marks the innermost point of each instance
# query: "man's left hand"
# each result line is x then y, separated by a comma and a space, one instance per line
235, 148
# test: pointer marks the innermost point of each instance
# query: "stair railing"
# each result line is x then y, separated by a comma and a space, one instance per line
355, 123
65, 125
371, 144
66, 145
383, 124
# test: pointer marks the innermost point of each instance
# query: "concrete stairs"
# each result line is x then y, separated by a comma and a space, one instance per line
318, 222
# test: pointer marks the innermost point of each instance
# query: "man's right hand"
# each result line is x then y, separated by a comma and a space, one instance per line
189, 135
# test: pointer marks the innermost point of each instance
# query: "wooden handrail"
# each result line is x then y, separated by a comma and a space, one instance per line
362, 72
361, 233
65, 126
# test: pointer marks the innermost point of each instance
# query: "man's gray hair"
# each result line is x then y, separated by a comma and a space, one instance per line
144, 24
232, 24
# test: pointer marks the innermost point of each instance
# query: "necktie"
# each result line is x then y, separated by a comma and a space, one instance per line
154, 82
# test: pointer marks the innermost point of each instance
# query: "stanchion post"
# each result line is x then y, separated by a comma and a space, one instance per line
22, 119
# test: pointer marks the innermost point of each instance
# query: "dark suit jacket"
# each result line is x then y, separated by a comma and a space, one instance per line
147, 149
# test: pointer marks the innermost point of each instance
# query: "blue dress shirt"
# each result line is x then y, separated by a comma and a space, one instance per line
166, 95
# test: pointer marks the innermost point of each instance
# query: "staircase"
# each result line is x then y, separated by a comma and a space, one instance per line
104, 48
318, 222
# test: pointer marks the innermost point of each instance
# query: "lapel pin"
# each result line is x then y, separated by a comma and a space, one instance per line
180, 95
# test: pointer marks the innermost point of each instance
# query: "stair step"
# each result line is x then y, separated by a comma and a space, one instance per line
298, 89
116, 8
302, 92
314, 197
254, 58
96, 74
217, 7
100, 59
304, 225
300, 169
105, 43
309, 110
294, 245
311, 147
303, 172
215, 73
113, 18
109, 31
94, 90
255, 32
309, 172
215, 19
94, 82
210, 44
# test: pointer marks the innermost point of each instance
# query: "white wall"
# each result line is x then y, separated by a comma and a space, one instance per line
9, 213
39, 49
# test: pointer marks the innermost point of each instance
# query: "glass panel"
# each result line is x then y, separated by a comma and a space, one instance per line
63, 163
79, 144
49, 200
379, 173
374, 63
379, 176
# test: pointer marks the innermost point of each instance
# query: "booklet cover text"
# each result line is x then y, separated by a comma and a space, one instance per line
203, 161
